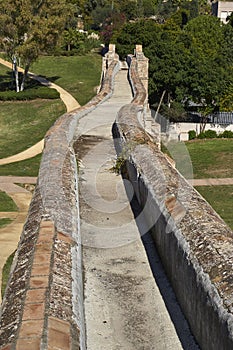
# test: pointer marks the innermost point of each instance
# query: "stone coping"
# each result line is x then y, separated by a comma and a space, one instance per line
38, 310
177, 213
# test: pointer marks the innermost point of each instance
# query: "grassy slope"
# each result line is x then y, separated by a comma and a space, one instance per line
221, 199
211, 158
22, 124
79, 75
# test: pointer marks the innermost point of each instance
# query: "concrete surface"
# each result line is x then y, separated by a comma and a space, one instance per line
122, 303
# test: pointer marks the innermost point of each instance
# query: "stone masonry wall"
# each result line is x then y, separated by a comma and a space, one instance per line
42, 306
195, 245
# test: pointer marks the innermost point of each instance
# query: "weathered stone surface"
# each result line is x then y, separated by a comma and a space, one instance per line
193, 241
43, 264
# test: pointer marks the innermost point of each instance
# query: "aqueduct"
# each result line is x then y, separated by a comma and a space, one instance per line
81, 277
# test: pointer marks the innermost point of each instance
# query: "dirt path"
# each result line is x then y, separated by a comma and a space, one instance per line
69, 102
10, 234
212, 182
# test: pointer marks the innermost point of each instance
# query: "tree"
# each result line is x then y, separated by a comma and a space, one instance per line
209, 74
29, 27
188, 62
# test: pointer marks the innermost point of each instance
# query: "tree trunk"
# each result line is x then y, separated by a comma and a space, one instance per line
159, 105
16, 73
24, 77
203, 123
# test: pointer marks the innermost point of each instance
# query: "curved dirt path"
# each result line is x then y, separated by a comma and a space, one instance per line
212, 182
10, 234
66, 97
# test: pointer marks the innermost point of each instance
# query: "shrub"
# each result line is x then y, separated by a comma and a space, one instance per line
226, 134
192, 134
208, 134
30, 94
201, 135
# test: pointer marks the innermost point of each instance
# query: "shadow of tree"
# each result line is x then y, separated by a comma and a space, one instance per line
7, 81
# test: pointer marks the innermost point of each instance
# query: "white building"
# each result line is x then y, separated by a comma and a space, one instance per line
222, 9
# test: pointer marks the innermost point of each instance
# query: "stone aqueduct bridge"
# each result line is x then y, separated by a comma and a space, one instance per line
80, 277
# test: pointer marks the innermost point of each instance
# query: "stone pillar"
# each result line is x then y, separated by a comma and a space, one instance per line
111, 53
143, 66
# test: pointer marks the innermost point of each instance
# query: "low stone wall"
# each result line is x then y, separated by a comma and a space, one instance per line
42, 305
194, 243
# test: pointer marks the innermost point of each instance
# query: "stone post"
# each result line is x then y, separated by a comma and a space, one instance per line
111, 53
143, 66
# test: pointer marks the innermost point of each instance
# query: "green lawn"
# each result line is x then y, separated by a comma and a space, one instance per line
214, 159
6, 203
211, 158
28, 167
221, 199
79, 75
22, 124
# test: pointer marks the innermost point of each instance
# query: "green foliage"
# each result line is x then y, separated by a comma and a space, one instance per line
23, 123
208, 134
31, 94
174, 112
29, 27
190, 59
230, 20
119, 166
192, 134
76, 42
201, 135
228, 134
209, 68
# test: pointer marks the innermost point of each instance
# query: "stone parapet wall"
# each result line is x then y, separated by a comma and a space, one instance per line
194, 243
42, 305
